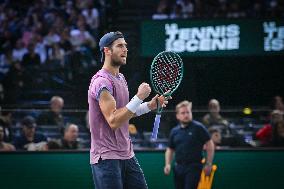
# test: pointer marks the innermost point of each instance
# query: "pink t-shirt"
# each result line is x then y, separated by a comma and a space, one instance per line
105, 142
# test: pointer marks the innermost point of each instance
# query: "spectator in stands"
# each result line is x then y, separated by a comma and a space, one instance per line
29, 139
176, 12
73, 16
68, 7
6, 62
81, 36
162, 11
54, 115
229, 9
91, 15
235, 11
19, 51
214, 117
40, 48
216, 136
82, 4
221, 10
273, 8
187, 8
277, 103
51, 38
65, 43
266, 134
70, 140
56, 54
13, 82
257, 10
31, 58
6, 123
84, 44
3, 145
278, 134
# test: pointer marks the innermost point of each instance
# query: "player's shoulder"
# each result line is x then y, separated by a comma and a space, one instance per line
99, 79
121, 74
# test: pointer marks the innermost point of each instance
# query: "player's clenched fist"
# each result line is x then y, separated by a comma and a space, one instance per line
144, 91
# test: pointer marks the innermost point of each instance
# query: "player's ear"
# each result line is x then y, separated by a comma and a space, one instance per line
107, 51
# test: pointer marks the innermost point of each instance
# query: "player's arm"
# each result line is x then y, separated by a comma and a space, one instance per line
169, 154
116, 117
210, 152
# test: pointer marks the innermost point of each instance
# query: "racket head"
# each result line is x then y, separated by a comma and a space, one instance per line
166, 72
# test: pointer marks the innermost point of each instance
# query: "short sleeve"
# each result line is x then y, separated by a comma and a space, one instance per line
171, 140
204, 134
97, 86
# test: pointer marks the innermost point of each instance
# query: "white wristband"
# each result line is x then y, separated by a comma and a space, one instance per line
134, 104
142, 109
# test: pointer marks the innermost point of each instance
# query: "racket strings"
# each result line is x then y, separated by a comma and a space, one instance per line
167, 72
167, 80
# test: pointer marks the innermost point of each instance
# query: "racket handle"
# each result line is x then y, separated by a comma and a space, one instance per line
156, 127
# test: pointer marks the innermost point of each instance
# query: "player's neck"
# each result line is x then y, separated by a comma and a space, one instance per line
111, 69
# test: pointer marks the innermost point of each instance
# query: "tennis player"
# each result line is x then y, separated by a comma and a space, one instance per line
112, 159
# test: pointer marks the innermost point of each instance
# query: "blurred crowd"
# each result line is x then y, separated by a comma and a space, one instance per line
183, 9
48, 130
46, 33
51, 129
268, 134
247, 129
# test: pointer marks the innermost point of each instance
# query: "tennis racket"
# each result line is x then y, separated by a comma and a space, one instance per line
166, 74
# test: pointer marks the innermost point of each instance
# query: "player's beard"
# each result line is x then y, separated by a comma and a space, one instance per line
116, 62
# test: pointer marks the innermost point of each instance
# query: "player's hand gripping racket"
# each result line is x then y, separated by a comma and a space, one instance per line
166, 74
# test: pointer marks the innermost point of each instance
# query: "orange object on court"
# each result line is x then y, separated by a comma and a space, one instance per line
206, 181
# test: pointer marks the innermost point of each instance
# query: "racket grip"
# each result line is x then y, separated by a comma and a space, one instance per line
156, 127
